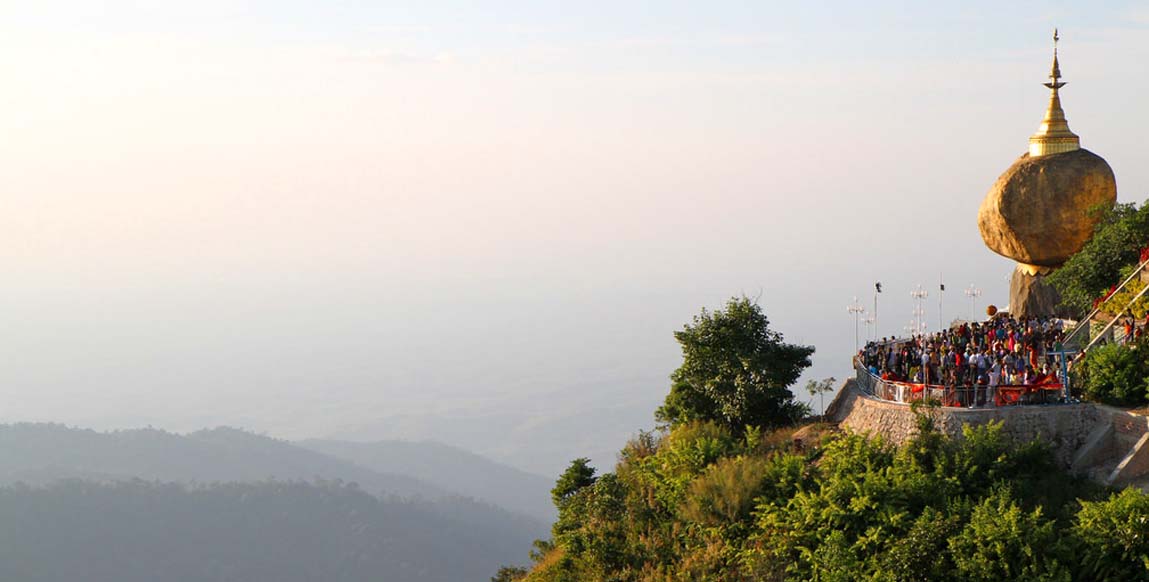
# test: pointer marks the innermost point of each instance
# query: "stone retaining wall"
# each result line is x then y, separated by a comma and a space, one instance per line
1065, 427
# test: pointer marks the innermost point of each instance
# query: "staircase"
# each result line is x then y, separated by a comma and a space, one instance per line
1117, 452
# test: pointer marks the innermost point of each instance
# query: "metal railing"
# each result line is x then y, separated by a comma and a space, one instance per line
1084, 322
958, 396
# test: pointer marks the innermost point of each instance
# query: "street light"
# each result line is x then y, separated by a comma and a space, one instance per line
973, 293
870, 320
857, 310
919, 294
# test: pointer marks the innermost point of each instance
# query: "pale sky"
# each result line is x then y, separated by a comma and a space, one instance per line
482, 222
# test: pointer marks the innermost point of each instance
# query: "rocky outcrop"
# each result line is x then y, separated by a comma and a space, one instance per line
1031, 296
1038, 211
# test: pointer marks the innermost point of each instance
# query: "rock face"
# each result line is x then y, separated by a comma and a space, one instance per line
1031, 296
1037, 213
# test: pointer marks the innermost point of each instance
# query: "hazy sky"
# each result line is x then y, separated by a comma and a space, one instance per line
482, 222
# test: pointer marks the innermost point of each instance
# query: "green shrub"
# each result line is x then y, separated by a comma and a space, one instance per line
922, 556
725, 492
1116, 374
1115, 537
1003, 542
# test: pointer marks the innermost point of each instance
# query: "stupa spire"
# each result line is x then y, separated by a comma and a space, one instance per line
1053, 136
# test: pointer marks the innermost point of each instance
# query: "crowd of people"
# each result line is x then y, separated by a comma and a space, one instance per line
1000, 352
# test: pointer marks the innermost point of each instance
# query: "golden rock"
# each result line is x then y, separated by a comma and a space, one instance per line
1039, 212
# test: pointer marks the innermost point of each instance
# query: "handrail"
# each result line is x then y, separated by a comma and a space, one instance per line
1109, 325
963, 395
1097, 309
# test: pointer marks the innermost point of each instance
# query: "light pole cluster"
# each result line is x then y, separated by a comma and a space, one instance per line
857, 310
919, 294
973, 293
919, 325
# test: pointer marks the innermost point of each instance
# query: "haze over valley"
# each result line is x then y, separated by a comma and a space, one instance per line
364, 279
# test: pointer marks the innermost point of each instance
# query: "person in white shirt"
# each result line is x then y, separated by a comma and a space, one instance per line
994, 380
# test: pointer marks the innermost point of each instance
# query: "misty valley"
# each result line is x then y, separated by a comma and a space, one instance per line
224, 504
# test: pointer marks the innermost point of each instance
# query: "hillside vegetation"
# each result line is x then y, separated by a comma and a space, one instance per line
703, 503
721, 494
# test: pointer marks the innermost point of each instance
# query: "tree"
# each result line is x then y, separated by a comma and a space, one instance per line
820, 388
1120, 235
510, 574
735, 370
580, 474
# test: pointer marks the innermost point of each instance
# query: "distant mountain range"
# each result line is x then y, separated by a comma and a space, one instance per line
43, 453
451, 469
269, 531
488, 512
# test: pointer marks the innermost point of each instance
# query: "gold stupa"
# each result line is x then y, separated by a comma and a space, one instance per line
1054, 137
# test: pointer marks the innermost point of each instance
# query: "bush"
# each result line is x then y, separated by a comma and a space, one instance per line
1003, 542
725, 492
1116, 374
1115, 537
922, 555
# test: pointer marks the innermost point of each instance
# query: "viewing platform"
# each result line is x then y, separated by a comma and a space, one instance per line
1044, 392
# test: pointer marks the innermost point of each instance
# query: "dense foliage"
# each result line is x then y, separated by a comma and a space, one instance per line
141, 531
1116, 243
1115, 373
735, 370
702, 503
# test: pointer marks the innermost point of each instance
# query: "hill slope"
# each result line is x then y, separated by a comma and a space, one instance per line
272, 531
42, 453
452, 469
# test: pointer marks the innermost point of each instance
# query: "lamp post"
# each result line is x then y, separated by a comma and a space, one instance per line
870, 320
877, 290
857, 310
919, 294
941, 294
973, 293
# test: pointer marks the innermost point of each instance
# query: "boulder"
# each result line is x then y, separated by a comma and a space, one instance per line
1038, 211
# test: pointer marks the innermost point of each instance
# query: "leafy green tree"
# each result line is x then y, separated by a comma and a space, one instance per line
820, 388
578, 475
735, 370
1117, 240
